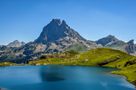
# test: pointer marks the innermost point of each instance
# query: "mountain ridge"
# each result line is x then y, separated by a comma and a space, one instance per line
111, 41
56, 37
16, 43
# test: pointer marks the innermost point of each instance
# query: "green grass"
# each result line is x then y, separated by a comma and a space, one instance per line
77, 47
129, 72
7, 64
97, 57
100, 56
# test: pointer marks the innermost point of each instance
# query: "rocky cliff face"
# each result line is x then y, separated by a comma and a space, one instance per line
131, 47
55, 30
57, 36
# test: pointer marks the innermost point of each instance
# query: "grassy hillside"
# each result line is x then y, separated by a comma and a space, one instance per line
112, 58
96, 57
129, 72
7, 64
101, 56
77, 47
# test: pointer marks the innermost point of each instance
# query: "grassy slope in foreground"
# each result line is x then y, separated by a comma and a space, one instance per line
96, 57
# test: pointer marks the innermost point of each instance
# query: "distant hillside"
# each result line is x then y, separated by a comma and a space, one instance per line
111, 41
16, 44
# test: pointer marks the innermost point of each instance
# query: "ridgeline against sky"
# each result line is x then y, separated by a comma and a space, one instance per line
93, 19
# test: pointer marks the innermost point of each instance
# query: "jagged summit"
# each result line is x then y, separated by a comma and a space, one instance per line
58, 22
57, 29
59, 36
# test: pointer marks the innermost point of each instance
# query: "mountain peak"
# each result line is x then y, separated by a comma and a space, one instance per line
64, 22
110, 36
58, 22
57, 35
16, 43
130, 48
53, 31
106, 40
131, 42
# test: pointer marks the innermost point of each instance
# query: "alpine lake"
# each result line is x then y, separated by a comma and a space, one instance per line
59, 77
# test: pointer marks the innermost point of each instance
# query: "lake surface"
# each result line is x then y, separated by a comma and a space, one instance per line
53, 77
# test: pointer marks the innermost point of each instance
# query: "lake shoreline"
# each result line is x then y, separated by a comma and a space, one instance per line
126, 78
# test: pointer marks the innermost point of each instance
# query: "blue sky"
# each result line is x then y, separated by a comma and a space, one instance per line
24, 19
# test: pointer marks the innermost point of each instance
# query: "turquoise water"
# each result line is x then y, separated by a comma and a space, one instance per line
53, 77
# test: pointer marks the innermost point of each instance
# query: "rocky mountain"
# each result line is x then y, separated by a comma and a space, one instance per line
57, 36
111, 41
16, 43
131, 47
